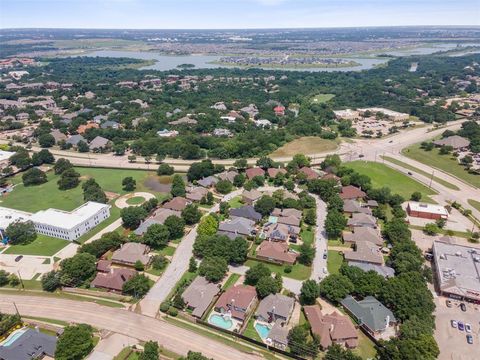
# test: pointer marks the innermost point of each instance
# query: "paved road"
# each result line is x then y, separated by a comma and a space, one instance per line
321, 242
179, 264
123, 322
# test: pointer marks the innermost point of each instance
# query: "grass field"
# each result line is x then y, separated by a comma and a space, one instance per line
420, 171
250, 330
42, 246
305, 145
334, 261
399, 183
236, 202
474, 203
299, 271
322, 98
136, 200
366, 347
442, 162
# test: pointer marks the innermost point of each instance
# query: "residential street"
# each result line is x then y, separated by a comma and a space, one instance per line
321, 242
123, 322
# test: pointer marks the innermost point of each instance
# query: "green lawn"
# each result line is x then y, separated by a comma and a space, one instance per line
299, 271
366, 347
420, 171
474, 203
43, 246
167, 251
322, 98
382, 175
443, 162
236, 202
231, 281
334, 261
250, 330
136, 200
307, 236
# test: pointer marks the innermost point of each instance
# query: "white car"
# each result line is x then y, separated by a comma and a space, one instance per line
454, 323
324, 270
468, 328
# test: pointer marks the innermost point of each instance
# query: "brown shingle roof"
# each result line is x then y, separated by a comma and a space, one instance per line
272, 172
113, 280
311, 174
351, 192
237, 298
252, 172
276, 251
177, 203
130, 253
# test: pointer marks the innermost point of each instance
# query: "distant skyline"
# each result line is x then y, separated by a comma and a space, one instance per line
234, 14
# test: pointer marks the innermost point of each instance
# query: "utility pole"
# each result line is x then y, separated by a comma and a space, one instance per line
431, 179
16, 309
20, 278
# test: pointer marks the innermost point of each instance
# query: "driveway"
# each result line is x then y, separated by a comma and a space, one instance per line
321, 242
110, 346
123, 322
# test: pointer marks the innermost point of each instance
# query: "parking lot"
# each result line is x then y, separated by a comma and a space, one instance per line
452, 342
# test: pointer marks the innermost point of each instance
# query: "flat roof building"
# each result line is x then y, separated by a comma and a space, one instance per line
426, 211
457, 270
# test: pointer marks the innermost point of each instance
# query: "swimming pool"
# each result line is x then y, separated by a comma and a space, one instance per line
262, 330
220, 321
13, 337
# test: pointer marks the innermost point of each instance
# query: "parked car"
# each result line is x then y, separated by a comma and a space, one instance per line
470, 339
325, 254
18, 258
324, 270
468, 328
454, 323
461, 327
449, 303
410, 173
463, 307
361, 156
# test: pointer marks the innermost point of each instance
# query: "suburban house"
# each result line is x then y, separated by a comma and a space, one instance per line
178, 203
362, 234
199, 295
75, 139
186, 120
32, 344
365, 252
279, 110
227, 175
372, 316
237, 227
196, 193
331, 328
362, 220
167, 133
144, 225
162, 214
130, 253
273, 172
278, 336
385, 271
99, 143
208, 182
58, 136
250, 196
351, 192
309, 173
247, 212
252, 172
287, 213
237, 301
426, 211
455, 141
281, 232
352, 207
275, 307
110, 124
104, 265
84, 127
277, 252
113, 280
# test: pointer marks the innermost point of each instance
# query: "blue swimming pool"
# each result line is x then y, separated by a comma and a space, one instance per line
262, 330
13, 337
220, 321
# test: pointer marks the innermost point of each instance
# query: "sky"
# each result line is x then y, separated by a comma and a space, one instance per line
234, 14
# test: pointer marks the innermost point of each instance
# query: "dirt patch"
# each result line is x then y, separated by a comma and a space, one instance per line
305, 145
111, 195
158, 184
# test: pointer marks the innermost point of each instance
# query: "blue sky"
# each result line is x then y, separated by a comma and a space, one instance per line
221, 14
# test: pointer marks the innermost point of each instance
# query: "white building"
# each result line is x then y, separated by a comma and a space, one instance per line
70, 225
167, 133
392, 115
262, 123
9, 216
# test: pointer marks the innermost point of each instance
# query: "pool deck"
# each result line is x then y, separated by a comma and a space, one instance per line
235, 323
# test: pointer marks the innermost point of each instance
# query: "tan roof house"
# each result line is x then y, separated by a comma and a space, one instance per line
250, 196
199, 294
363, 234
130, 253
277, 252
352, 192
196, 193
177, 204
365, 252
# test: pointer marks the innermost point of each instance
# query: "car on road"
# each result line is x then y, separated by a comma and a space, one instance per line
410, 173
361, 156
325, 254
324, 270
454, 323
468, 328
390, 141
449, 303
18, 258
461, 327
470, 339
463, 307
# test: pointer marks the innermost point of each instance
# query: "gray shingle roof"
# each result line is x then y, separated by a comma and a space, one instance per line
369, 312
275, 305
30, 345
247, 212
238, 226
75, 139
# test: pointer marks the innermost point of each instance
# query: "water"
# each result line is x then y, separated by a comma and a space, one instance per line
262, 330
165, 62
220, 321
13, 337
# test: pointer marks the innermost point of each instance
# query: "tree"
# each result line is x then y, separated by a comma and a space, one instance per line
46, 140
192, 265
268, 285
82, 147
431, 229
298, 161
365, 282
156, 236
34, 176
3, 278
331, 161
323, 188
150, 351
213, 268
108, 242
239, 180
77, 269
132, 158
265, 205
191, 214
159, 262
42, 157
224, 208
208, 225
299, 344
224, 186
61, 165
165, 169
21, 232
200, 170
119, 149
175, 225
139, 266
195, 356
265, 162
309, 292
396, 230
255, 273
69, 179
129, 183
132, 216
75, 343
335, 223
21, 159
416, 196
137, 286
241, 164
310, 217
51, 281
336, 287
93, 192
337, 352
178, 186
307, 254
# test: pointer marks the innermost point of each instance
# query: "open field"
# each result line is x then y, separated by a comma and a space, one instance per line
399, 183
443, 162
42, 246
420, 171
305, 145
322, 98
